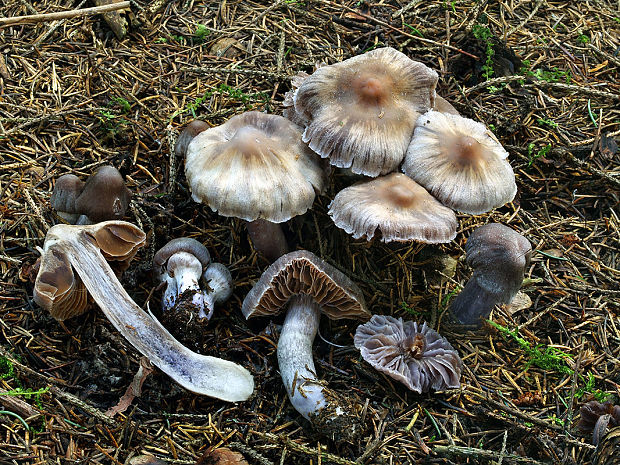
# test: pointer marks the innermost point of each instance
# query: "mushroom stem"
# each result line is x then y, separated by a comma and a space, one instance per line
201, 374
295, 356
475, 302
268, 239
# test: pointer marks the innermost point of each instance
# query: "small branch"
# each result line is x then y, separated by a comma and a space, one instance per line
301, 449
486, 454
63, 14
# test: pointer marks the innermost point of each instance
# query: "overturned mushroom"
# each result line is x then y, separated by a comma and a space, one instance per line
255, 167
83, 250
396, 205
309, 287
499, 256
460, 162
361, 112
417, 356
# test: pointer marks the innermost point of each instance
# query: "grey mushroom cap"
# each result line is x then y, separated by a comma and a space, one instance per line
67, 188
254, 166
303, 273
361, 112
398, 206
417, 356
191, 130
105, 196
460, 162
182, 244
499, 256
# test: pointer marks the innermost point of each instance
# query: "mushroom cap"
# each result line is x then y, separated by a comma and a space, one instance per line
460, 162
254, 166
302, 272
443, 106
402, 209
361, 112
182, 244
105, 196
57, 288
66, 190
417, 356
191, 130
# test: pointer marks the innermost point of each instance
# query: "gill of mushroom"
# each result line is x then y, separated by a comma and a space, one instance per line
201, 374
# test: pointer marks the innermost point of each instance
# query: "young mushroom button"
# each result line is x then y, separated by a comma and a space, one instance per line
396, 205
67, 188
460, 162
360, 113
104, 197
499, 257
309, 287
255, 167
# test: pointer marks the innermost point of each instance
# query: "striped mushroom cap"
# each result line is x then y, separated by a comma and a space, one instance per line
361, 112
417, 356
253, 166
402, 209
460, 162
302, 272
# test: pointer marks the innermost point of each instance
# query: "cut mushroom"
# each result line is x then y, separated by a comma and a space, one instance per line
309, 287
460, 162
417, 356
361, 112
255, 167
499, 257
399, 207
84, 250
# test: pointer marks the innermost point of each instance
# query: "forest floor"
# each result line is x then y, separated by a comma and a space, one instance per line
543, 75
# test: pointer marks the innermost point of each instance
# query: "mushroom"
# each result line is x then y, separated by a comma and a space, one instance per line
417, 356
398, 206
191, 130
83, 250
219, 281
255, 167
460, 162
181, 263
309, 287
596, 417
499, 256
102, 197
443, 106
361, 112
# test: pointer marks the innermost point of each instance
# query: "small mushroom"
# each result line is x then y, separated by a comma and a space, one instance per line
402, 209
417, 356
443, 106
67, 188
181, 263
309, 287
219, 282
83, 250
191, 130
102, 197
255, 167
361, 112
460, 162
499, 257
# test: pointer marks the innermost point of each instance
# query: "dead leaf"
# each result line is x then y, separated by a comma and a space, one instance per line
222, 456
135, 388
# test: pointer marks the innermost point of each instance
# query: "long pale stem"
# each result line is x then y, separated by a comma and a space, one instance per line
201, 374
295, 356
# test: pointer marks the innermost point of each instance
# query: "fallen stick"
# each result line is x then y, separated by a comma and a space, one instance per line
63, 14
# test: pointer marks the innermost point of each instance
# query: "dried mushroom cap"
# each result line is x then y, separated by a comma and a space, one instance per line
119, 241
418, 357
66, 190
182, 244
254, 166
58, 289
105, 196
460, 162
361, 112
402, 209
302, 272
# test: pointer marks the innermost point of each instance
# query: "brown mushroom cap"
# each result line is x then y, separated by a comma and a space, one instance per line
402, 209
66, 191
417, 356
361, 112
183, 244
302, 272
105, 196
443, 106
59, 290
460, 162
191, 130
254, 166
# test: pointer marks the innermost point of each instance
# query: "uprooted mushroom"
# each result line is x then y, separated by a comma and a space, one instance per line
309, 287
75, 259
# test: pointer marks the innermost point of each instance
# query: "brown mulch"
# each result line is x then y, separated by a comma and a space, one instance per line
542, 74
